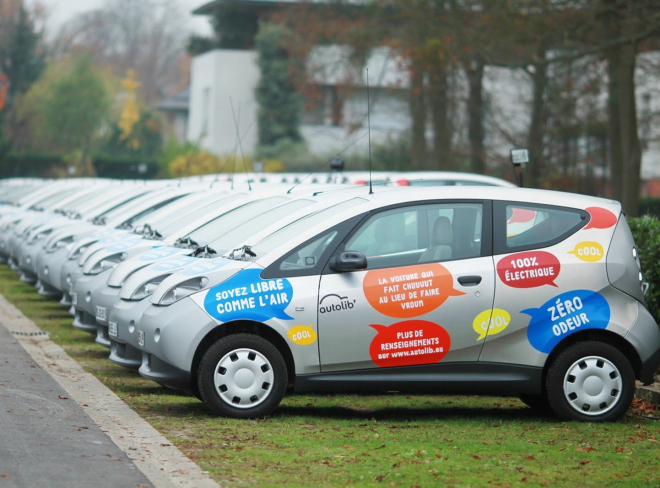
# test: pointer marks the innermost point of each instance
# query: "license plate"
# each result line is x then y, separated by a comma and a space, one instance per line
74, 298
141, 338
101, 313
112, 329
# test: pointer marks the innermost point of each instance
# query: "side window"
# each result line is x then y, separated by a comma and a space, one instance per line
419, 234
528, 226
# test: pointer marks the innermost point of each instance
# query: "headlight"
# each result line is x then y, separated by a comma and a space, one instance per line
183, 289
77, 252
147, 288
54, 246
38, 236
107, 263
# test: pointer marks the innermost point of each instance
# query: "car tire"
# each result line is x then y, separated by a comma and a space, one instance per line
590, 381
242, 376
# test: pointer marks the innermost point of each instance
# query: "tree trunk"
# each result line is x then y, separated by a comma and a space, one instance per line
439, 101
625, 145
538, 121
418, 114
475, 75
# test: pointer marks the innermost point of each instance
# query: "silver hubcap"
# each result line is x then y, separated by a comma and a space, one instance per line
592, 385
243, 378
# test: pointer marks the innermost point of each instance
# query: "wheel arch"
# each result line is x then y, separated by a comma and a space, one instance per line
237, 327
600, 335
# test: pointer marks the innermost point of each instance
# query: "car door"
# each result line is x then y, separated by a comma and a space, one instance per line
551, 279
429, 275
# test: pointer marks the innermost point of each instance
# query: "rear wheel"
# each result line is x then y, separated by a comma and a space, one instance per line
590, 381
242, 376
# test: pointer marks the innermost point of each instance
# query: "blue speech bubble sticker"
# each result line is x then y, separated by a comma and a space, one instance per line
246, 296
173, 264
565, 314
159, 253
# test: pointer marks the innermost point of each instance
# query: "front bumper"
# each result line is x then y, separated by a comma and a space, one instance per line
123, 322
85, 318
169, 337
49, 270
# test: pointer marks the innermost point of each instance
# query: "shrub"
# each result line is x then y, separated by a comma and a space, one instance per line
646, 231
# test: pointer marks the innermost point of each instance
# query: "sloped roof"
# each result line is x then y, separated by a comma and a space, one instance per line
178, 102
209, 8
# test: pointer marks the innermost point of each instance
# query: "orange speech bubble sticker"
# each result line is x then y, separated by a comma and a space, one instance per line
410, 291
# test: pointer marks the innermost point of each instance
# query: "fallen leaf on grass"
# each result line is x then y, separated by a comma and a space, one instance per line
529, 458
476, 456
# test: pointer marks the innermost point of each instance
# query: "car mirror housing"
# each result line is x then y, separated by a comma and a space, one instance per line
348, 261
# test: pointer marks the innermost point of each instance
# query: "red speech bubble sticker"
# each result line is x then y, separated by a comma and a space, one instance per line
522, 215
410, 291
409, 343
529, 269
600, 218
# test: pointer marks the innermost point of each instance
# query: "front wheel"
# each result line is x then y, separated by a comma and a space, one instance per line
591, 382
242, 376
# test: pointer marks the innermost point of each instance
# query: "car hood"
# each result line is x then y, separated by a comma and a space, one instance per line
147, 259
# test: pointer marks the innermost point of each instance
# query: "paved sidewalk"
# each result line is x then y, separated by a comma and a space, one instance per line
61, 427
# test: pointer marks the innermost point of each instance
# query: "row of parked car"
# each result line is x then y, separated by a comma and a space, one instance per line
239, 294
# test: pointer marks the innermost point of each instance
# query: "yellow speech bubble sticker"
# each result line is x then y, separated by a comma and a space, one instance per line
491, 322
302, 335
588, 251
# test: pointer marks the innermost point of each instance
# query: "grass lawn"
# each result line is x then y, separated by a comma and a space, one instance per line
384, 440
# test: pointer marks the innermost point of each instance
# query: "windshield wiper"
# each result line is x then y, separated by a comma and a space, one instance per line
242, 253
126, 225
185, 243
149, 233
203, 252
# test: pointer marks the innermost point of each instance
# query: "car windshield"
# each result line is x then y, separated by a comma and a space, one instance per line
53, 199
242, 232
196, 211
232, 219
281, 236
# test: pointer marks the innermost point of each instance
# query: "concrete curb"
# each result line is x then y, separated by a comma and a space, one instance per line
650, 393
162, 463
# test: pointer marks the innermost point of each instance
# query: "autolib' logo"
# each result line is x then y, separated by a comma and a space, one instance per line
340, 303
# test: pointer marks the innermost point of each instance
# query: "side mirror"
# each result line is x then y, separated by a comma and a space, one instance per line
348, 261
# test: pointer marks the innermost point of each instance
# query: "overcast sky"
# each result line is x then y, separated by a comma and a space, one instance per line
59, 11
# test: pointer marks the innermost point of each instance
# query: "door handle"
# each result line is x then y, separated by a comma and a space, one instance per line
469, 280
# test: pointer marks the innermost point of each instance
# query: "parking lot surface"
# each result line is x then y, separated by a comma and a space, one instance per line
61, 427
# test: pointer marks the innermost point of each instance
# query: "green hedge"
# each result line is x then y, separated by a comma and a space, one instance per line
50, 165
114, 167
646, 231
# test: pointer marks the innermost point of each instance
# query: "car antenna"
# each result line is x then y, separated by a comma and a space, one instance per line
240, 144
328, 161
371, 190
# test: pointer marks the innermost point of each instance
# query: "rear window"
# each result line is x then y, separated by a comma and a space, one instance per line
520, 227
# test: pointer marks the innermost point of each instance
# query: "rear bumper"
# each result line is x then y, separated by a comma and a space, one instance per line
649, 368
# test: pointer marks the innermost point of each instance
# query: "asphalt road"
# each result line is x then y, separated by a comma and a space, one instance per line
46, 438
